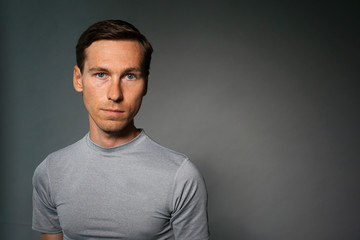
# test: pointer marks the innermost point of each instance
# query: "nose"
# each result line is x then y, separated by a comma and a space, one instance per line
114, 91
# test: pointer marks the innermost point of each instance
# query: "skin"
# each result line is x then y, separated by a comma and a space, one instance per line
57, 236
113, 86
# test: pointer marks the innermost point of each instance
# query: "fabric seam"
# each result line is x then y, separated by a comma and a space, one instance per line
173, 186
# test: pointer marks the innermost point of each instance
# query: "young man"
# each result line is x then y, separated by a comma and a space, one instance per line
117, 183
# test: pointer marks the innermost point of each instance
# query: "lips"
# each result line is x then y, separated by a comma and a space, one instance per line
114, 111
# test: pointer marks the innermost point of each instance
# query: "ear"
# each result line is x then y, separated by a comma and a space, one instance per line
77, 81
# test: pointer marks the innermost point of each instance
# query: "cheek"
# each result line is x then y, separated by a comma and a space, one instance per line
90, 100
134, 95
135, 103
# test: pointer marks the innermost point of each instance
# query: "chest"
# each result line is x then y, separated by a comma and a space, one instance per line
114, 202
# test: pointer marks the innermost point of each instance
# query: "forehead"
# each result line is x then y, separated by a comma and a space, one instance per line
114, 52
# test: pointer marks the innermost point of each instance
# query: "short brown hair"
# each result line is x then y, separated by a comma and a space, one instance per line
112, 30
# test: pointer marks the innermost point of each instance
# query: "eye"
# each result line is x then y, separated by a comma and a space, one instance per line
100, 75
130, 76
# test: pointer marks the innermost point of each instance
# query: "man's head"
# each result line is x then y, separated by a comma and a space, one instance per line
113, 61
112, 30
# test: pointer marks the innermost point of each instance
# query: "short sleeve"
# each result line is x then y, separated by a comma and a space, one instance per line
189, 219
45, 217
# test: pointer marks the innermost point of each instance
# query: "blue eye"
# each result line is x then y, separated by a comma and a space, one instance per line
100, 75
130, 76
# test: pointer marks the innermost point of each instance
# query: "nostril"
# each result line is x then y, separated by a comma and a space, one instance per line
115, 93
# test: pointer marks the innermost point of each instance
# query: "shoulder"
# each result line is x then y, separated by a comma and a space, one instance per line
188, 170
70, 150
184, 168
164, 154
64, 156
57, 158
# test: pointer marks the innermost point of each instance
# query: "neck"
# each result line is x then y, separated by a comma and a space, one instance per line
113, 139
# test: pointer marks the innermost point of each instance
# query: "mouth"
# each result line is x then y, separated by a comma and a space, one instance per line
113, 111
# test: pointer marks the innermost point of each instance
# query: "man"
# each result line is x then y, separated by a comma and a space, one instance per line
117, 183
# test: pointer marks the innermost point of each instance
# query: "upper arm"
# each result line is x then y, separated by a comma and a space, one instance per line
189, 217
45, 216
56, 236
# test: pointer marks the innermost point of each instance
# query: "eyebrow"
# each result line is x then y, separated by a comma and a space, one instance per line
97, 69
100, 69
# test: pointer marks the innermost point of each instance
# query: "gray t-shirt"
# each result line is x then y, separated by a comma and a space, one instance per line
138, 190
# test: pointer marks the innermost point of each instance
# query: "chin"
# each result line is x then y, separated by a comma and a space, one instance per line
115, 128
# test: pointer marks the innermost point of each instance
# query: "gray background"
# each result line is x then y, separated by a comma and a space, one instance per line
263, 97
